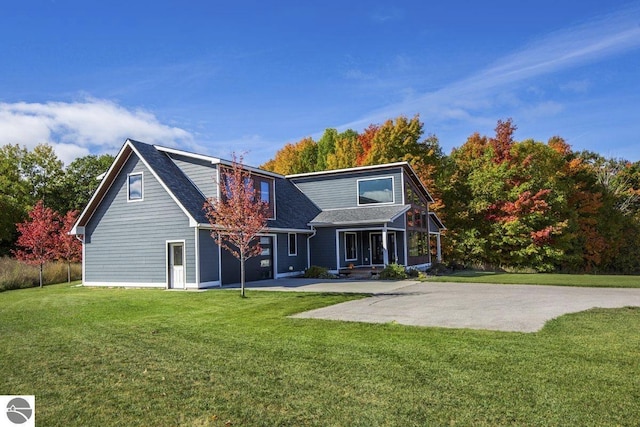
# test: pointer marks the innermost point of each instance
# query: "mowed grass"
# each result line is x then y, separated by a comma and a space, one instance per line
585, 280
107, 357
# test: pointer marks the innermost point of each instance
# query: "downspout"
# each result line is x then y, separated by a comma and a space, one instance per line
309, 245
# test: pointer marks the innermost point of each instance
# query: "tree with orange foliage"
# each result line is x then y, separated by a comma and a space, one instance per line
38, 237
238, 216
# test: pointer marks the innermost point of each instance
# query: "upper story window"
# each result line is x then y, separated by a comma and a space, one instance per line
264, 187
134, 187
375, 190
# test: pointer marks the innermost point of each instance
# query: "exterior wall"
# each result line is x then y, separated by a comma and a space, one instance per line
323, 248
208, 258
284, 261
126, 242
201, 172
341, 191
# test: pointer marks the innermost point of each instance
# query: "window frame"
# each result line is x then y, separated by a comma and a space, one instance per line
355, 246
129, 176
295, 240
377, 178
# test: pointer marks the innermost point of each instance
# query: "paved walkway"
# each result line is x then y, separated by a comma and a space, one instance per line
522, 308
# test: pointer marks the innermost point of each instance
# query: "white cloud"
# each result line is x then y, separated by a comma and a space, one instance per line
78, 128
472, 98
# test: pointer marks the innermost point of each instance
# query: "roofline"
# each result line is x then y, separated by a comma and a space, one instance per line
437, 220
127, 148
216, 160
366, 221
187, 154
406, 165
206, 226
103, 181
354, 169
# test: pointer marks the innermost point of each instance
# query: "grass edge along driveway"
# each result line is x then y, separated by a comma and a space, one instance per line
150, 357
555, 279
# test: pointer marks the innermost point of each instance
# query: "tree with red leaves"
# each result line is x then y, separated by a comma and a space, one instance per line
38, 237
68, 248
238, 216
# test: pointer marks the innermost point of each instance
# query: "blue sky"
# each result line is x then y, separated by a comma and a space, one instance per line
216, 77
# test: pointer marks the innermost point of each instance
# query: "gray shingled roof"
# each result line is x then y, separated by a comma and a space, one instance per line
361, 215
294, 210
175, 180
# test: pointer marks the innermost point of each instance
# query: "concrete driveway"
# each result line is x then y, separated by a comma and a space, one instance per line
521, 308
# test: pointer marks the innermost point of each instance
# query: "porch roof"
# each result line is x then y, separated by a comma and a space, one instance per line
359, 215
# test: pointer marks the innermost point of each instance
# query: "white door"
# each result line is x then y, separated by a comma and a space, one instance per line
176, 265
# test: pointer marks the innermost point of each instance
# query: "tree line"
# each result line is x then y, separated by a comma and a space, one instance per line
30, 176
521, 205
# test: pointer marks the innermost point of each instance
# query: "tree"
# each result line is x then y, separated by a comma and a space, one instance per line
44, 175
81, 180
37, 240
14, 194
67, 247
238, 216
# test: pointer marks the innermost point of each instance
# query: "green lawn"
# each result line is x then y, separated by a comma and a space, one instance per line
102, 357
588, 280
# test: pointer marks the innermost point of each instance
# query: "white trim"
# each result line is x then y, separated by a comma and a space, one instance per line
215, 160
103, 182
345, 245
295, 239
192, 221
393, 191
383, 233
197, 253
187, 154
167, 261
356, 169
266, 229
129, 175
84, 257
127, 284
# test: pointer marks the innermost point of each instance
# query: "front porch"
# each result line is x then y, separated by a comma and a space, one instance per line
360, 273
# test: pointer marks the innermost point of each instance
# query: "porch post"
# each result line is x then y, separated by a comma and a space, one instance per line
385, 249
439, 251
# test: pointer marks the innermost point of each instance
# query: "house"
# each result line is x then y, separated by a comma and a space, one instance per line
145, 226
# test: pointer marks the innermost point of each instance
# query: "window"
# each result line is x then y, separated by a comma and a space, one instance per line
293, 244
264, 187
350, 249
264, 191
134, 187
377, 190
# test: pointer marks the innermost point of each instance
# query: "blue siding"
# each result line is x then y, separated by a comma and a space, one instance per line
209, 257
298, 262
341, 190
201, 172
126, 242
323, 248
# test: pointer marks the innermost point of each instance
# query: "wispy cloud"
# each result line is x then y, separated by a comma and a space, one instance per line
78, 128
588, 42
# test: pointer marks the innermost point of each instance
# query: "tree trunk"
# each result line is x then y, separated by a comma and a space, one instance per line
41, 274
68, 272
242, 276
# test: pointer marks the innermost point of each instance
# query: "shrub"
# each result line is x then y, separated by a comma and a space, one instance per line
393, 272
17, 275
317, 272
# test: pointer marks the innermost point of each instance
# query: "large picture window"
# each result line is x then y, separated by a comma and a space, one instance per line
134, 187
377, 190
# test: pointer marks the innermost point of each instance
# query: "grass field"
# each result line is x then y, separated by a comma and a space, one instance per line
107, 357
589, 280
